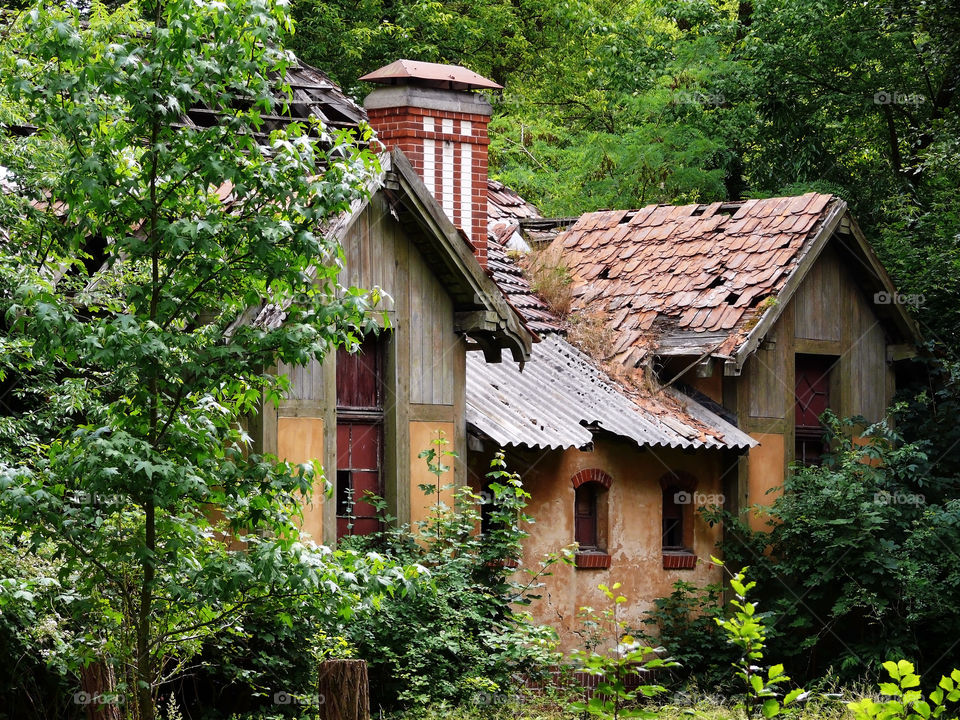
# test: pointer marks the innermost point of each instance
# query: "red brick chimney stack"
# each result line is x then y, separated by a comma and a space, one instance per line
431, 113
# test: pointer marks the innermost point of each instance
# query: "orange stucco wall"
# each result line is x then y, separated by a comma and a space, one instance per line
634, 529
423, 435
300, 440
765, 472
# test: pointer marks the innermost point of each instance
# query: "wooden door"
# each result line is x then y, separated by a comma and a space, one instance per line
812, 399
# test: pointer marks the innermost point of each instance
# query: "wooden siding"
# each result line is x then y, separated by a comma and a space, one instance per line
816, 315
378, 254
829, 315
769, 371
306, 388
425, 358
433, 343
866, 363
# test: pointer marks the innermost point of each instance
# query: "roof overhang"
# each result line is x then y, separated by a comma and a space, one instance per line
482, 312
840, 228
562, 399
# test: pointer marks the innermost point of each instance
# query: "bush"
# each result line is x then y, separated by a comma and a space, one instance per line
862, 562
685, 625
456, 636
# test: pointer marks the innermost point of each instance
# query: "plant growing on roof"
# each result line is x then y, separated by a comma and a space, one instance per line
129, 382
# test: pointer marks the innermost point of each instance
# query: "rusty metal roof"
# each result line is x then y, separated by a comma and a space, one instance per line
562, 393
415, 72
702, 274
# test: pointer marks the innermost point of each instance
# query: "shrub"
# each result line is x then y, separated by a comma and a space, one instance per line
457, 634
860, 563
684, 622
906, 700
613, 666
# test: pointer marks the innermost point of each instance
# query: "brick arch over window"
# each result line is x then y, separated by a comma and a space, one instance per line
590, 510
592, 475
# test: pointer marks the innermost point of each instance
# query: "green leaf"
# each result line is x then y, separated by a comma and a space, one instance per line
771, 708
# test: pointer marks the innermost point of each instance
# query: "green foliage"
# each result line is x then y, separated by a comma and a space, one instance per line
458, 635
627, 657
906, 700
128, 383
745, 630
859, 555
685, 623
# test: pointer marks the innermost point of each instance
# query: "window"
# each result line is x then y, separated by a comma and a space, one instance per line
812, 378
585, 515
590, 518
672, 518
360, 415
678, 490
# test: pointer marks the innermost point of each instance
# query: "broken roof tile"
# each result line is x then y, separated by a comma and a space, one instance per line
696, 267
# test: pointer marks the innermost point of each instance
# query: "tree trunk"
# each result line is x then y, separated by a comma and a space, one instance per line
99, 692
343, 690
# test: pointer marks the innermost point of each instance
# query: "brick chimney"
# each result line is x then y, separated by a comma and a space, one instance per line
433, 115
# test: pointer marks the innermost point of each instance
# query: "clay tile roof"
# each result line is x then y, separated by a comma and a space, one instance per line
505, 205
312, 94
693, 271
515, 287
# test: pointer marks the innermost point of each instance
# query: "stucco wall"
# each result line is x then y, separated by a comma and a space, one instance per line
634, 528
300, 440
765, 472
423, 435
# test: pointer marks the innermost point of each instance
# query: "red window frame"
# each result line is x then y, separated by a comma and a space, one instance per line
360, 436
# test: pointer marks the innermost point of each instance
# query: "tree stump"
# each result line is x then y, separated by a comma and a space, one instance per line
343, 690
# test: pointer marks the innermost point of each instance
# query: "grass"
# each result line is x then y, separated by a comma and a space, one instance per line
678, 706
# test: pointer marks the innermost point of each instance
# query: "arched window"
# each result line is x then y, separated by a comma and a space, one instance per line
679, 492
590, 517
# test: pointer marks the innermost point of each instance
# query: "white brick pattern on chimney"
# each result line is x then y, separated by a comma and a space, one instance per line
429, 158
446, 170
466, 188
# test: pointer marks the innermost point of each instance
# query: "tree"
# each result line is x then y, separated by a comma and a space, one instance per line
132, 248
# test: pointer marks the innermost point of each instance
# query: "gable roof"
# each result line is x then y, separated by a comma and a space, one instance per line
481, 310
704, 279
562, 397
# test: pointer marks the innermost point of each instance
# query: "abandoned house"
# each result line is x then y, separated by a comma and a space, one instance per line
766, 312
726, 330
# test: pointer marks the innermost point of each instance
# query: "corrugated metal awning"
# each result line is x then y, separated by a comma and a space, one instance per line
561, 393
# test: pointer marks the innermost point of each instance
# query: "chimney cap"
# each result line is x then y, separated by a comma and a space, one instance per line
426, 74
